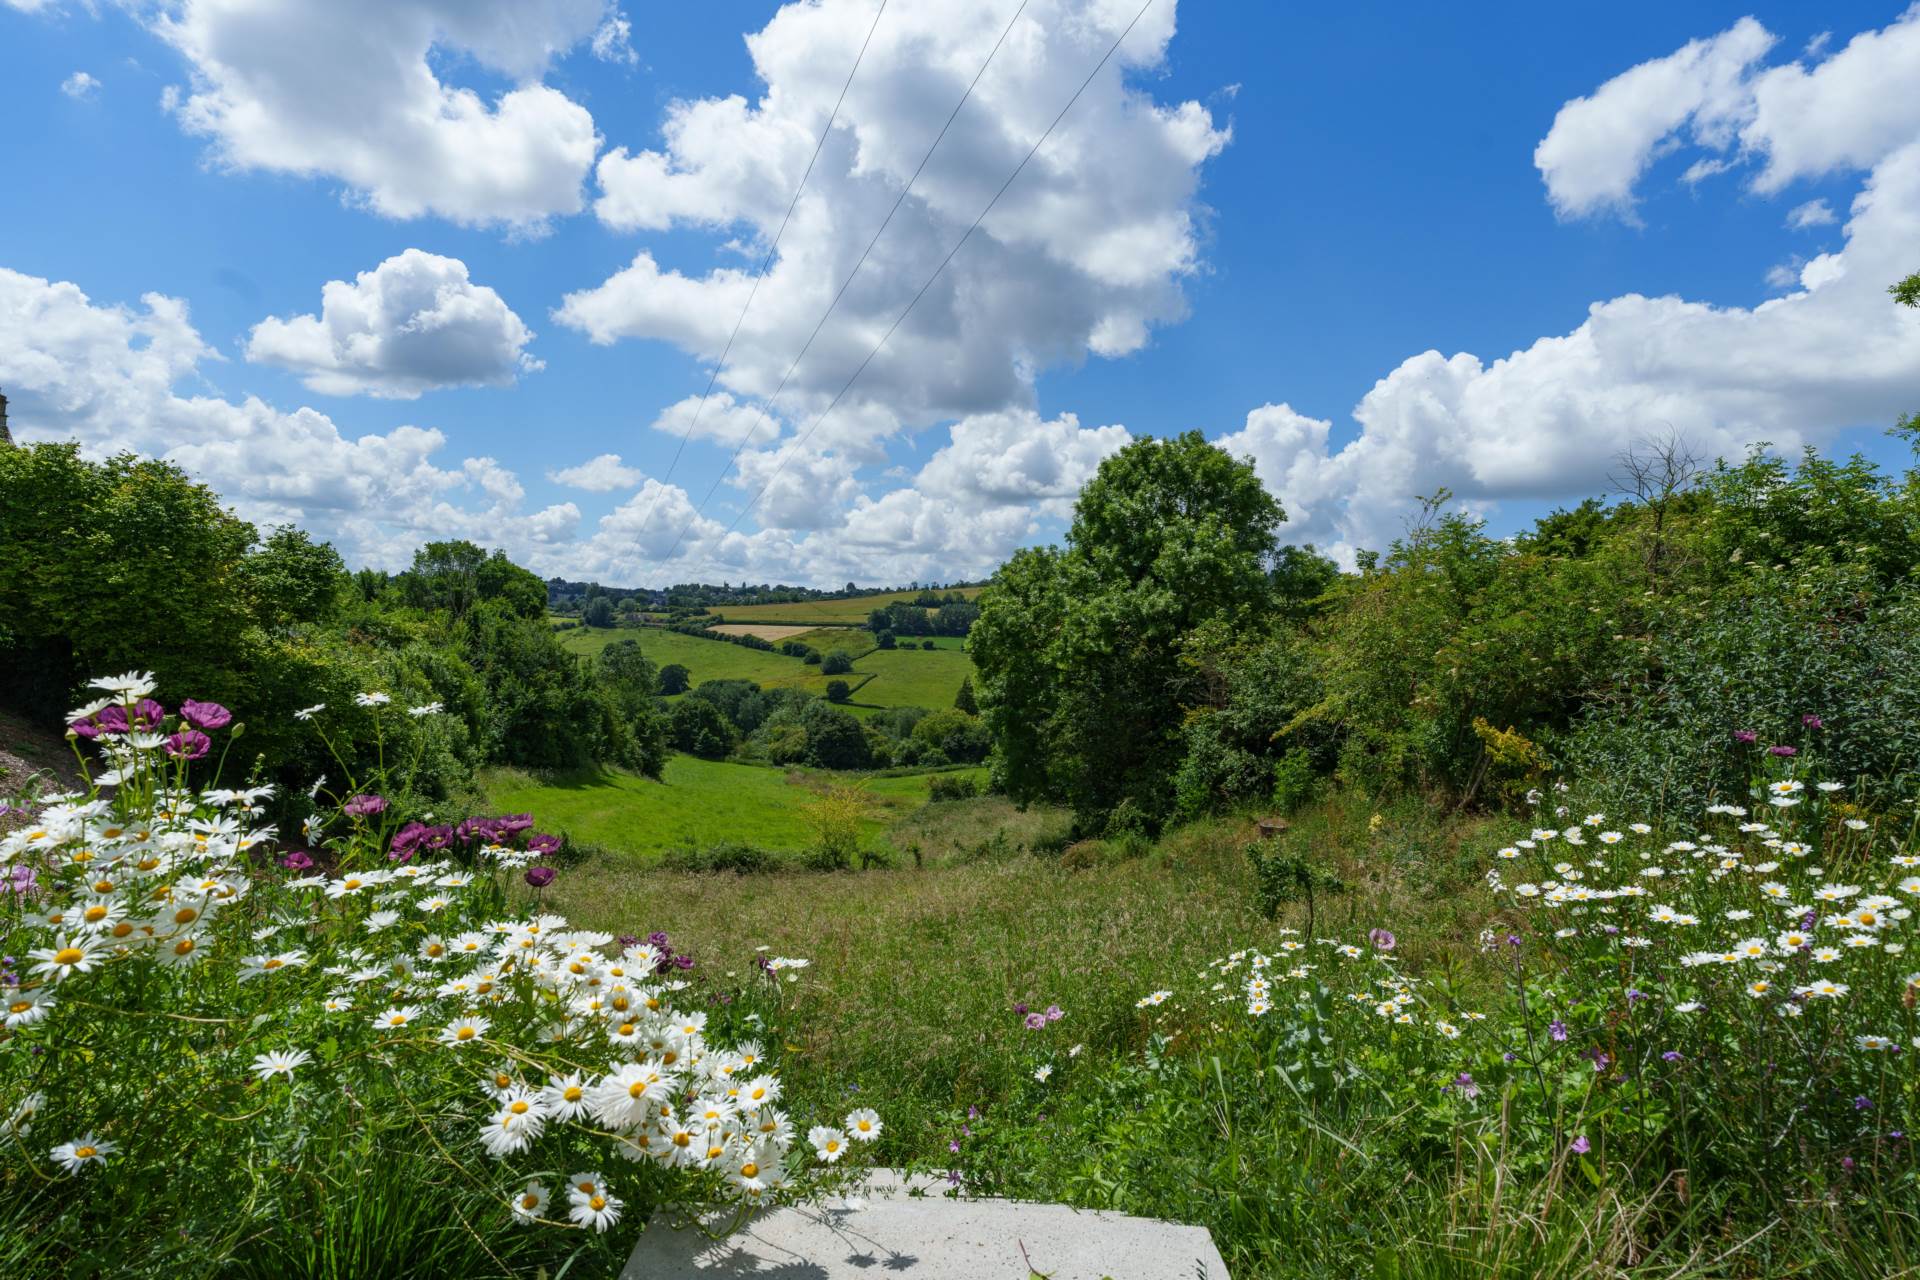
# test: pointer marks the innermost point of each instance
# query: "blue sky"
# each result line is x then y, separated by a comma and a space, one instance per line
1266, 212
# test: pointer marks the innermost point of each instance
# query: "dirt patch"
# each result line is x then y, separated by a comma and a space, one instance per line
32, 759
764, 631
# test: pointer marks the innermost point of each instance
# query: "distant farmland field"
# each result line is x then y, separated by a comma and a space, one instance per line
765, 630
817, 613
903, 677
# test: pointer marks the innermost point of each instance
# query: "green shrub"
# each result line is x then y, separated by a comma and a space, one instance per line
951, 786
728, 855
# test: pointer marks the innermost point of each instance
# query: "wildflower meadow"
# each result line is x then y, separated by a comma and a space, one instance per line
231, 1049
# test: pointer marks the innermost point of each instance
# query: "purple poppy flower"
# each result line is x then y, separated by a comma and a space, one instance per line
1055, 1013
205, 715
1035, 1021
1813, 722
1782, 751
540, 877
514, 823
364, 806
1381, 939
22, 879
1580, 1146
437, 838
1747, 736
1020, 1009
147, 715
543, 844
110, 721
298, 860
189, 744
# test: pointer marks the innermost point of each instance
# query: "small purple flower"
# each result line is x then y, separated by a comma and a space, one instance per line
1557, 1029
1671, 1055
1846, 1162
1635, 995
1381, 939
1782, 751
21, 879
1020, 1009
364, 806
205, 715
1862, 1103
1812, 722
1747, 736
1055, 1013
1580, 1146
298, 860
540, 877
1513, 939
189, 744
953, 1177
953, 1145
1035, 1021
973, 1113
1465, 1085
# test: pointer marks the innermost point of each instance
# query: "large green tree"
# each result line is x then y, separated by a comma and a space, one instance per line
1079, 648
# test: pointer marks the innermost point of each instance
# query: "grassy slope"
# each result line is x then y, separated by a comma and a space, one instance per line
854, 609
916, 968
700, 802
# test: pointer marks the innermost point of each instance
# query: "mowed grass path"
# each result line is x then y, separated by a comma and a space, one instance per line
881, 678
699, 803
851, 611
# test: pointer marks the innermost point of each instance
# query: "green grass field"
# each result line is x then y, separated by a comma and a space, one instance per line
699, 803
851, 611
880, 678
704, 659
911, 678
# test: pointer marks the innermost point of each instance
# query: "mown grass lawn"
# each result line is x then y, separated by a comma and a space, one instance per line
698, 803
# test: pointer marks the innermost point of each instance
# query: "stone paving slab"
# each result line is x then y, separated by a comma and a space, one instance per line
886, 1230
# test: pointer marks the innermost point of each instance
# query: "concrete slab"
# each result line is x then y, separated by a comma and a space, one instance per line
910, 1228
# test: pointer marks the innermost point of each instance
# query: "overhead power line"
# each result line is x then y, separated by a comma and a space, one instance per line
767, 405
897, 320
760, 275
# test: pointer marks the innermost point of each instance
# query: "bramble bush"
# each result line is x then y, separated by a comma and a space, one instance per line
353, 1058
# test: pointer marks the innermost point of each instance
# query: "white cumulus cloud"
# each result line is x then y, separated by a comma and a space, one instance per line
602, 474
80, 85
1084, 254
354, 90
1546, 422
412, 324
106, 376
1814, 213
